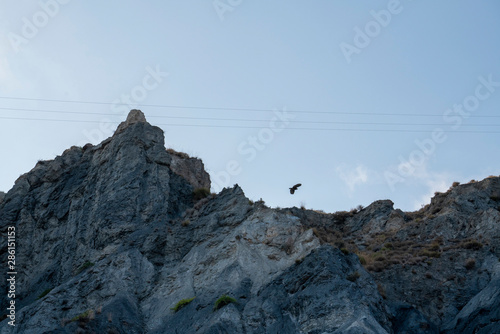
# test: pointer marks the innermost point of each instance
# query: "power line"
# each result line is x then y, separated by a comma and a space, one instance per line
59, 111
259, 127
330, 129
226, 119
220, 119
236, 109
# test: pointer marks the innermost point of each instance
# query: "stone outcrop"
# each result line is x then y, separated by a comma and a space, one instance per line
135, 116
110, 238
191, 169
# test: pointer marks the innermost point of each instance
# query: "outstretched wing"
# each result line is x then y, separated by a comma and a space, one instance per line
292, 189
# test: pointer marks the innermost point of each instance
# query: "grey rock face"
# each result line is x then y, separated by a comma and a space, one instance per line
191, 169
293, 302
135, 116
89, 204
373, 218
432, 263
110, 238
482, 313
297, 297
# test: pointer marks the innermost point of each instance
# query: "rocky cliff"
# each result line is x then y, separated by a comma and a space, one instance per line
124, 237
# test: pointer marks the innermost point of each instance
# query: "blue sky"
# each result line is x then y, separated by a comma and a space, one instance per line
357, 101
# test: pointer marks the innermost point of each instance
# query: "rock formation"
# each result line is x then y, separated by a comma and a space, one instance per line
119, 238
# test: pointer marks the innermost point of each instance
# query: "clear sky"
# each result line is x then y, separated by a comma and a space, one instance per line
356, 100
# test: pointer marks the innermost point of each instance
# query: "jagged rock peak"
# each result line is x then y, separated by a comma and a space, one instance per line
134, 116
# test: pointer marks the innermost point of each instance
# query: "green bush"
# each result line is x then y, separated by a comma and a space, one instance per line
181, 303
345, 251
223, 301
84, 266
44, 293
82, 317
200, 193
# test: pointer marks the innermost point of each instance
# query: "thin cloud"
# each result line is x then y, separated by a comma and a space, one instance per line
418, 176
8, 80
353, 177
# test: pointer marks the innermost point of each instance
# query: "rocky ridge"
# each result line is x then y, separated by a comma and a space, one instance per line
112, 237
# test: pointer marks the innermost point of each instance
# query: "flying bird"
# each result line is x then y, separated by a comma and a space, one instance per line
292, 189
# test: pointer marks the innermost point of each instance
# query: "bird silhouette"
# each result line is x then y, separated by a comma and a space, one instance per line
292, 189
